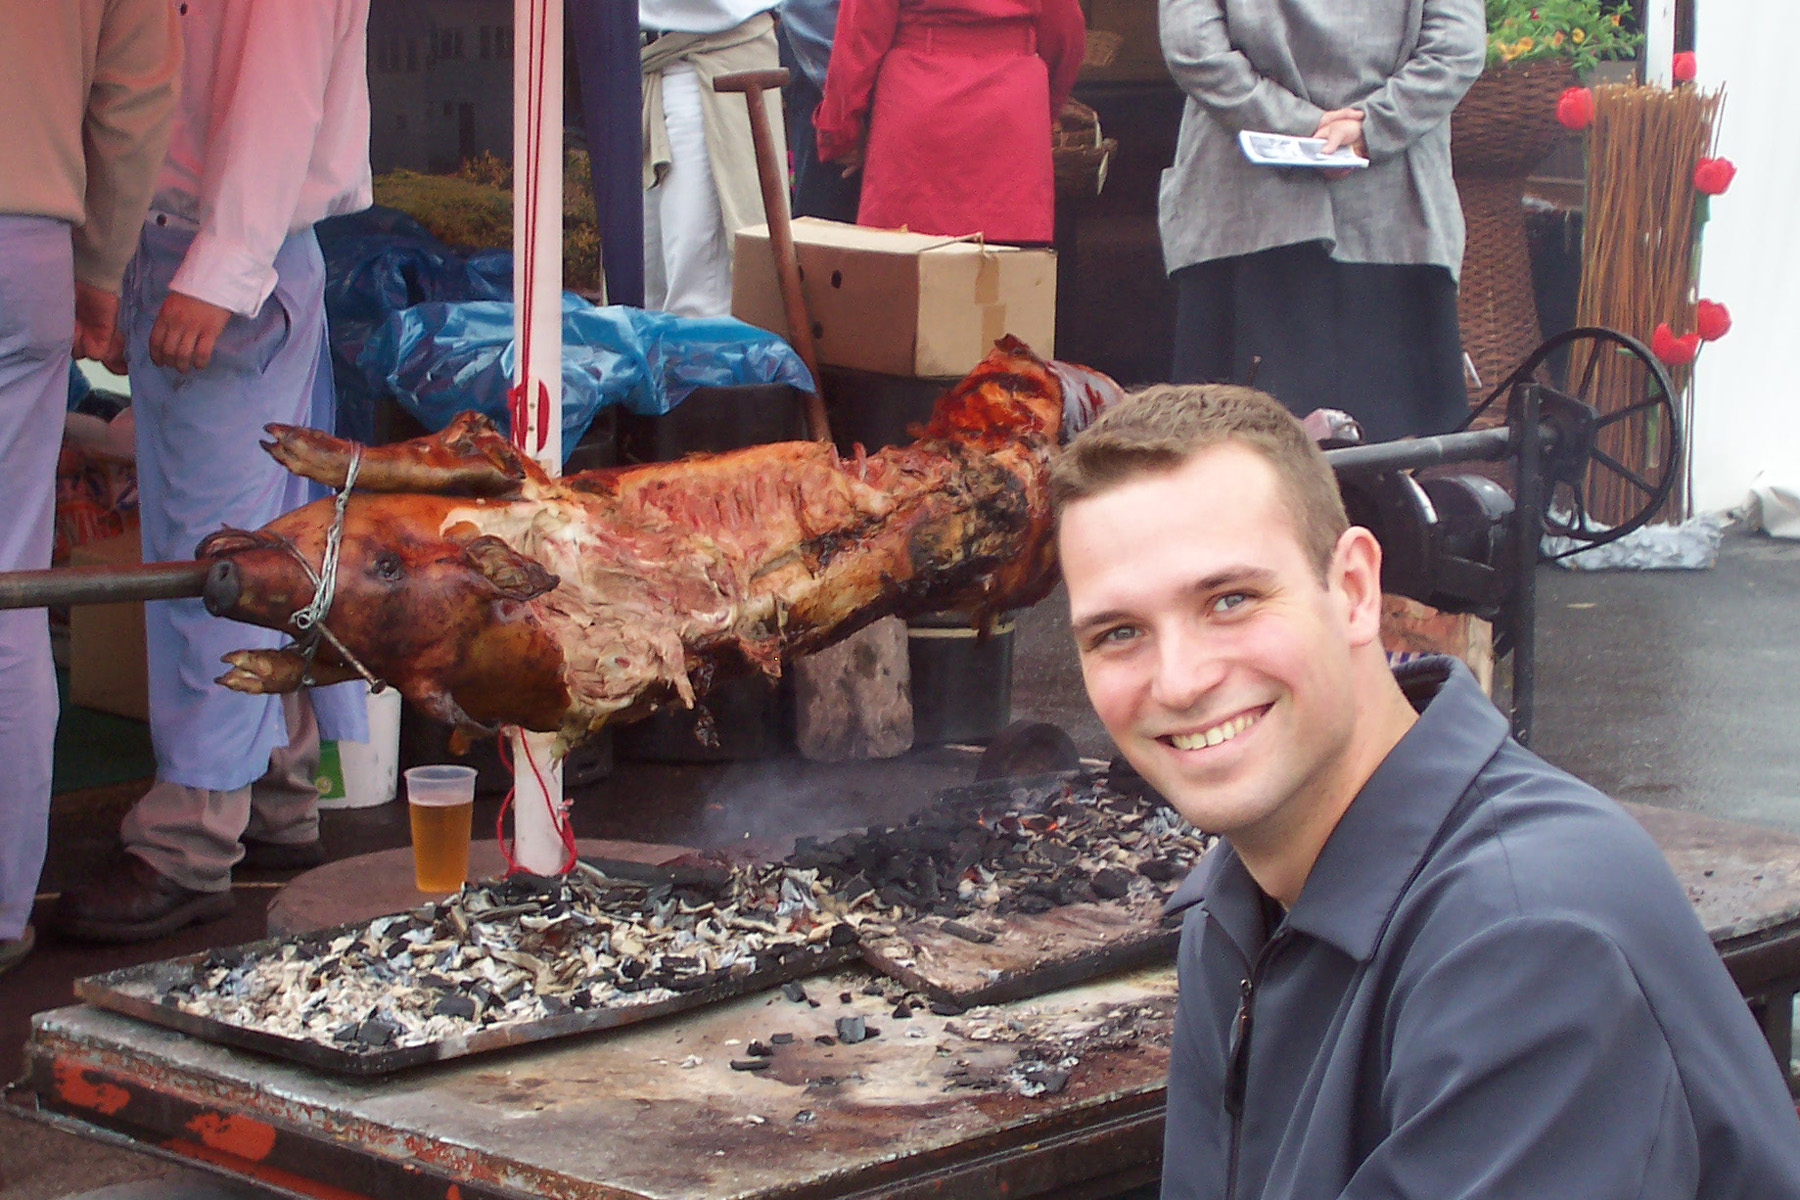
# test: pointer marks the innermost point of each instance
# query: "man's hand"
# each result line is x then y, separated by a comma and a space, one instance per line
185, 331
97, 333
1341, 127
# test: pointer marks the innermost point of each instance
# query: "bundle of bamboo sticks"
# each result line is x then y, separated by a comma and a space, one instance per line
1639, 259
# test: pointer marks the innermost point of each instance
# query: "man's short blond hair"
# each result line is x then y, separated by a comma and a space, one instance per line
1159, 428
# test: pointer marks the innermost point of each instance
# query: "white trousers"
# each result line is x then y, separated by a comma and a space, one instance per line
687, 257
37, 326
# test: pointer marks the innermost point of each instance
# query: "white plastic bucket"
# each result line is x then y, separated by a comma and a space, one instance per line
365, 771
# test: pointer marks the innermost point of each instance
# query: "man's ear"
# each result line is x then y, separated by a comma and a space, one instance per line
1356, 581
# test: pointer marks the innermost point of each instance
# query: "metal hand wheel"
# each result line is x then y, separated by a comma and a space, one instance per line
1620, 411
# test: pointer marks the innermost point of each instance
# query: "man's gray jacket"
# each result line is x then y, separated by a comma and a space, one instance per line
1491, 986
1276, 66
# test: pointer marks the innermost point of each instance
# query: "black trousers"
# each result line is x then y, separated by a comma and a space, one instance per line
820, 189
1378, 340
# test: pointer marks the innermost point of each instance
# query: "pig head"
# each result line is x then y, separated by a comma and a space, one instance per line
420, 601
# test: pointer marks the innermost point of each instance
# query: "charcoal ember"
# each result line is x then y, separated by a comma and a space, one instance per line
553, 1006
793, 991
781, 1039
455, 1006
851, 1030
758, 1050
679, 962
1111, 883
854, 888
1074, 891
376, 1032
1033, 904
1056, 853
805, 1116
946, 1008
1161, 870
844, 997
346, 1032
824, 1039
895, 896
841, 935
1045, 1081
902, 1012
687, 983
749, 1064
632, 968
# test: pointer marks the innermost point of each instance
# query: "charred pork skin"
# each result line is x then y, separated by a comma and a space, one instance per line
493, 594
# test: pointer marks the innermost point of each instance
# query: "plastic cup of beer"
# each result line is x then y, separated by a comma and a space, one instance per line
441, 802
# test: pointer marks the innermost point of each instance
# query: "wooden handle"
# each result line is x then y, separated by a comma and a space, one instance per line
781, 235
751, 81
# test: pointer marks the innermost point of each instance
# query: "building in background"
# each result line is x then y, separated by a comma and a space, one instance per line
440, 82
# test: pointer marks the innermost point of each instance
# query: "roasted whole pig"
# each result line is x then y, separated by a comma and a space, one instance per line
493, 594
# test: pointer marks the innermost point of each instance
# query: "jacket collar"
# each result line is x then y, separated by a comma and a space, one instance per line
1383, 837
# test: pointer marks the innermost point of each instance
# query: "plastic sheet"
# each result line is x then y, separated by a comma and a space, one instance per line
439, 359
1692, 545
379, 262
1774, 506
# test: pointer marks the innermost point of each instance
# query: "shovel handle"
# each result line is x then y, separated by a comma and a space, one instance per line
781, 234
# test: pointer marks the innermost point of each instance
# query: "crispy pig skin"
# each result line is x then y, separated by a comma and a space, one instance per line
493, 594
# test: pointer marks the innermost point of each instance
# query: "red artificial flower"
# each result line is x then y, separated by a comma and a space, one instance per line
1713, 175
1675, 351
1575, 108
1712, 320
1683, 67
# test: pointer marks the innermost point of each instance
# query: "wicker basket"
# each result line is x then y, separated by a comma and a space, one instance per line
1503, 128
1080, 152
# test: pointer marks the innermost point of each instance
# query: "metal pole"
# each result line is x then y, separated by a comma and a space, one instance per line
101, 585
1475, 445
1528, 521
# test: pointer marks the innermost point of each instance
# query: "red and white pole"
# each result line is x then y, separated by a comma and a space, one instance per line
538, 814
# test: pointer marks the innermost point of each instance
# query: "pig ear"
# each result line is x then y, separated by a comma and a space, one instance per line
512, 574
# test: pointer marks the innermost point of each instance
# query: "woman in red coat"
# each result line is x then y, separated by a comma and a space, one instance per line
947, 105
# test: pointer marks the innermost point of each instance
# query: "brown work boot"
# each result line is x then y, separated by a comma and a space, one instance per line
130, 901
282, 856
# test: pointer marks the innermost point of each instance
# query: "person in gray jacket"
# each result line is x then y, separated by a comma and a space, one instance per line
1421, 962
1341, 282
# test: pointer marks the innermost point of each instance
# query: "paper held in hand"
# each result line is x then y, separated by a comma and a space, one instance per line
1280, 150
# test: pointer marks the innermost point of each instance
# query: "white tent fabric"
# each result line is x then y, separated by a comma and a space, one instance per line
1747, 384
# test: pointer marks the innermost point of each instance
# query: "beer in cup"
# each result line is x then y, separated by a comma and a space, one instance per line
441, 802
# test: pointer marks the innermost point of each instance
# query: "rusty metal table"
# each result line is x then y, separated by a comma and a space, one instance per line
657, 1111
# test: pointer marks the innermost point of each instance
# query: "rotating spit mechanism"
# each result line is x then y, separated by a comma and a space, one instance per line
1444, 540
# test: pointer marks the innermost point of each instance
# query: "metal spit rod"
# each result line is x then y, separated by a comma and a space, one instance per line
101, 585
174, 580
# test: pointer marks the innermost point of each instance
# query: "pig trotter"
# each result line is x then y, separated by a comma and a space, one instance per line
270, 672
468, 457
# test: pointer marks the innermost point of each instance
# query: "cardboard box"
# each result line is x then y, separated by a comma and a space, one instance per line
900, 303
106, 641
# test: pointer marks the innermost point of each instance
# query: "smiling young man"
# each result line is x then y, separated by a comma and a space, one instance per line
1422, 963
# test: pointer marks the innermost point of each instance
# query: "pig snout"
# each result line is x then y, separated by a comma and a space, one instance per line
224, 584
254, 577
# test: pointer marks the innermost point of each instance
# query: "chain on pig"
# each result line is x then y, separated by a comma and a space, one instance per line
310, 620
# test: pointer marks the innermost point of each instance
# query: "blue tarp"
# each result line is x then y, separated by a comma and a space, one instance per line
439, 359
412, 318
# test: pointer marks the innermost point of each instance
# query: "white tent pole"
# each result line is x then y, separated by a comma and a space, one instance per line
1658, 17
537, 291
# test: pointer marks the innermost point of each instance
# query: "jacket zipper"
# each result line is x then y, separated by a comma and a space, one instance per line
1237, 1069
